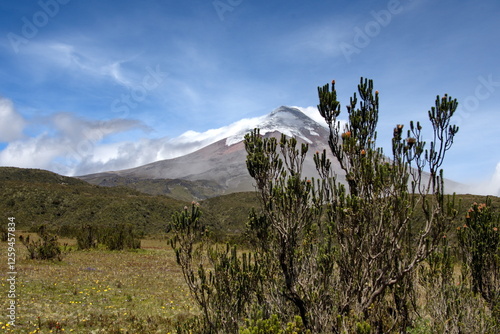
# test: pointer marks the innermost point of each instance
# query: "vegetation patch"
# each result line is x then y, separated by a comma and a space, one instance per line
100, 291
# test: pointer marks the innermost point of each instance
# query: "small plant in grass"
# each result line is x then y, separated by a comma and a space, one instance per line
3, 233
45, 248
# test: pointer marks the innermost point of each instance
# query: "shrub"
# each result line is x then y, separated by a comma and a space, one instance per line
373, 218
45, 248
340, 257
119, 237
353, 270
86, 237
222, 282
479, 241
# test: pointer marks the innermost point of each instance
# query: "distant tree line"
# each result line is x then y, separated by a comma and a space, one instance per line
46, 246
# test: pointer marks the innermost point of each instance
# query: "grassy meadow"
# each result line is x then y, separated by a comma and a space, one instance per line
99, 291
143, 290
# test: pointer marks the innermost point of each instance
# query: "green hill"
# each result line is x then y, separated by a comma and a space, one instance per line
227, 215
36, 197
36, 176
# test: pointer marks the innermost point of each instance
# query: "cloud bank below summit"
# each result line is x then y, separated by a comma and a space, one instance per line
70, 145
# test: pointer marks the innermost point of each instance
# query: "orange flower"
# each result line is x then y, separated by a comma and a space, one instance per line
495, 229
363, 152
346, 135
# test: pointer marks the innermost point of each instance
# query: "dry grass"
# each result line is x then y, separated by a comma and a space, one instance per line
99, 292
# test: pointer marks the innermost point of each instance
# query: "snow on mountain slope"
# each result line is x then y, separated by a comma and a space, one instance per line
287, 120
292, 121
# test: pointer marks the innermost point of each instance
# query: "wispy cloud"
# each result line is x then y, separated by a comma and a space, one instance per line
65, 140
77, 61
12, 124
312, 41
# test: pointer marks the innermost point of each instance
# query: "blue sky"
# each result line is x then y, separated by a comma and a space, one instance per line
90, 85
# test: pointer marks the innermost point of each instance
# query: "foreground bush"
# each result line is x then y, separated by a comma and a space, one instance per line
340, 252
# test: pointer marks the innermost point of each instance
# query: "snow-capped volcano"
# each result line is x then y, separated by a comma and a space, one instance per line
223, 159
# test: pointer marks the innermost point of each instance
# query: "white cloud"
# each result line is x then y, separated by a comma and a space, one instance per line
12, 124
76, 128
237, 128
488, 187
115, 71
39, 152
67, 142
495, 181
75, 146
